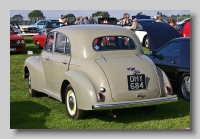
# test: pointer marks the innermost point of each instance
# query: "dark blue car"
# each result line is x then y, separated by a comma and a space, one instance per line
174, 59
170, 52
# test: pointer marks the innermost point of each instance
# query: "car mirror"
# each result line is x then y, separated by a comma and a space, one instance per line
153, 53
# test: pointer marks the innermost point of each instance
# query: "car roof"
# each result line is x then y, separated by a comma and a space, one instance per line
181, 38
159, 32
81, 38
183, 21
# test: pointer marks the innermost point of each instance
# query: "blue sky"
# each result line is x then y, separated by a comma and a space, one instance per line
113, 13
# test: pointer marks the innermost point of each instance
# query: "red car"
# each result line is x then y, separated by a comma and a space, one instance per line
39, 40
180, 26
17, 42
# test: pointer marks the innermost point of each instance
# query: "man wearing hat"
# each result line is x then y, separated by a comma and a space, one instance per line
64, 21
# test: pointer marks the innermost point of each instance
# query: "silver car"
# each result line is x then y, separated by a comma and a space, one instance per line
96, 67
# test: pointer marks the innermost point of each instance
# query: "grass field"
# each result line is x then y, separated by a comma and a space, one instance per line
47, 113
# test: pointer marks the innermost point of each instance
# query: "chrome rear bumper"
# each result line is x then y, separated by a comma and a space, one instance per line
139, 103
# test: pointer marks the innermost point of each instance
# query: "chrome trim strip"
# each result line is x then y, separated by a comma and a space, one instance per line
140, 103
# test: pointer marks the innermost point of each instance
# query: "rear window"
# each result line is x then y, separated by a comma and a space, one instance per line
113, 43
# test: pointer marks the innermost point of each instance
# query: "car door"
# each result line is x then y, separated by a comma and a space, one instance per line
167, 58
59, 62
46, 55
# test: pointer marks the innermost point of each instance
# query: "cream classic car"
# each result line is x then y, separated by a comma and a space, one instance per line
81, 69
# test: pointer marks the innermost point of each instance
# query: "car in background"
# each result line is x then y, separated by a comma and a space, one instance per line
17, 42
42, 23
95, 76
180, 26
159, 32
39, 39
172, 54
24, 29
16, 23
174, 59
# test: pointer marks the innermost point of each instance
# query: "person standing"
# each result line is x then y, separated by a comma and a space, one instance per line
81, 21
127, 22
77, 21
64, 21
86, 21
172, 23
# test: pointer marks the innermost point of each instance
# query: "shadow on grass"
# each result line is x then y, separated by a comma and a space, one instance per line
28, 115
165, 111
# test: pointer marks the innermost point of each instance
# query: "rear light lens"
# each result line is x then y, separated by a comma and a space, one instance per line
100, 96
168, 89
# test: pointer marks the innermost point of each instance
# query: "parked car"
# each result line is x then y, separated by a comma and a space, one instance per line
159, 32
174, 59
87, 76
39, 39
16, 23
180, 26
42, 23
17, 42
23, 29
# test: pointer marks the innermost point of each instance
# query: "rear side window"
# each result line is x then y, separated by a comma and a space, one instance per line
106, 43
172, 49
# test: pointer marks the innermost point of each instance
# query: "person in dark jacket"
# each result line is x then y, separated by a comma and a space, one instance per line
64, 21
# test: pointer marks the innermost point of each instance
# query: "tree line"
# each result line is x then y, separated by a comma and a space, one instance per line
103, 14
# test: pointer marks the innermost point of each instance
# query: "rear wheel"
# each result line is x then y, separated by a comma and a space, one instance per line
31, 92
146, 42
185, 86
71, 104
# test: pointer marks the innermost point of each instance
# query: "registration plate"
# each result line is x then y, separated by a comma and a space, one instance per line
12, 49
136, 82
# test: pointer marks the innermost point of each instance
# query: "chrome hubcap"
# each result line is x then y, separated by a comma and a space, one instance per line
71, 102
29, 84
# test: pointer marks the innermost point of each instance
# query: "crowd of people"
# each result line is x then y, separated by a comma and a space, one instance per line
125, 21
79, 20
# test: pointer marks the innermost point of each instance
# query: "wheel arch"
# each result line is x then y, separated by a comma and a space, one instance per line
83, 88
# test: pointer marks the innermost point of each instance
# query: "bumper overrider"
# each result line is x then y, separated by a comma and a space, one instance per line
139, 103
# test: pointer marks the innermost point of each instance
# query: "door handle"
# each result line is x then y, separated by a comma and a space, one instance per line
47, 58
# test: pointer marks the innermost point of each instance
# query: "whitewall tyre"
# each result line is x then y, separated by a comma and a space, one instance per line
71, 104
31, 92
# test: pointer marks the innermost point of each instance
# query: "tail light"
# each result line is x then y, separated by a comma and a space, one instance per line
100, 95
168, 89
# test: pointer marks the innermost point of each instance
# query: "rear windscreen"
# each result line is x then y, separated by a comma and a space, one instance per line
113, 43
